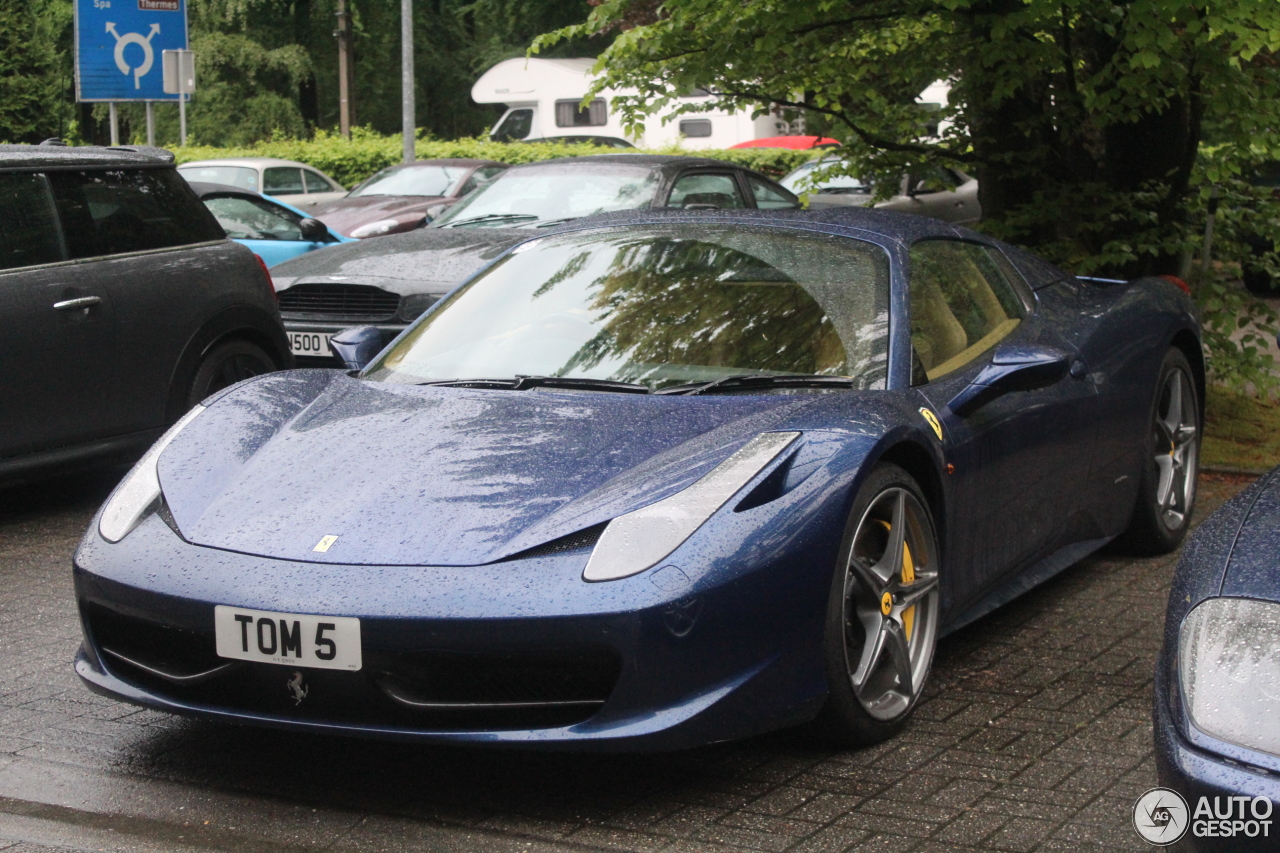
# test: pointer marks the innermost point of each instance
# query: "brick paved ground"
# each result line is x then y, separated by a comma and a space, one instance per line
1035, 736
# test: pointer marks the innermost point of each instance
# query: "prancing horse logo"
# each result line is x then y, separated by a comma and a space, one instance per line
295, 687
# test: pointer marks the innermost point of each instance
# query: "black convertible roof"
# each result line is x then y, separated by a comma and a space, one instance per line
83, 156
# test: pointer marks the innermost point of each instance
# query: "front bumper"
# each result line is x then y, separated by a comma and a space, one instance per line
1198, 774
670, 667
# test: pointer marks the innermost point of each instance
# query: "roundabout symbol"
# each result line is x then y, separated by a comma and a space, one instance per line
144, 42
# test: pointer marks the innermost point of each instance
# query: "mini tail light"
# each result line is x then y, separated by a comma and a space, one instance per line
266, 273
1182, 285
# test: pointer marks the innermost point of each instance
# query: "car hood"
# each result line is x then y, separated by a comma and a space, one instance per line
1253, 570
428, 260
406, 475
347, 214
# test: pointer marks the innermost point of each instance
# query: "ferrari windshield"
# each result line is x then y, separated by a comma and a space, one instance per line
661, 306
410, 180
552, 193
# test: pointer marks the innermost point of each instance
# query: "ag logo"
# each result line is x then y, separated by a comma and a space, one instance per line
933, 421
1161, 816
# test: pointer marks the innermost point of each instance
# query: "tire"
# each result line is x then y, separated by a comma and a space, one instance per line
226, 364
878, 650
1170, 465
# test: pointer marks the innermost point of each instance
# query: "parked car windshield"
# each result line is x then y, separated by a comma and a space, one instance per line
661, 305
800, 182
242, 177
415, 180
532, 197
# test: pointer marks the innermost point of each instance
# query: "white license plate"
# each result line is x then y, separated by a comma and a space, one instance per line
314, 344
293, 639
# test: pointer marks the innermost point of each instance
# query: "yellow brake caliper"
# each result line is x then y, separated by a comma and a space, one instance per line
908, 578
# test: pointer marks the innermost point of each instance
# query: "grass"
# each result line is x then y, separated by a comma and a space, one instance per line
1240, 431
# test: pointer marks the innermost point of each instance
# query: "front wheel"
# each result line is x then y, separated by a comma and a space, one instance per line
1171, 463
882, 613
226, 364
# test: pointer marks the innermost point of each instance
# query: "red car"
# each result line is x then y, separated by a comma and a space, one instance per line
402, 198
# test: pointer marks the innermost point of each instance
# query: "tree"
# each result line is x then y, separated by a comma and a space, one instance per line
1082, 119
35, 79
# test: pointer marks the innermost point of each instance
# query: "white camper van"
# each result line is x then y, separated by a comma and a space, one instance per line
544, 97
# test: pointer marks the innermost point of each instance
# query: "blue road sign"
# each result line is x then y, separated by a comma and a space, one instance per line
118, 47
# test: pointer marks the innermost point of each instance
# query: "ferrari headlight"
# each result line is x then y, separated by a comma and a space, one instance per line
641, 539
1230, 671
139, 493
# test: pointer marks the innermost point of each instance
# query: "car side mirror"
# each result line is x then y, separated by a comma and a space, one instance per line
1012, 368
356, 347
314, 230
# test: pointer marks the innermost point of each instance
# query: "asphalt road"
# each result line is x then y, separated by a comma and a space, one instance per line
1035, 736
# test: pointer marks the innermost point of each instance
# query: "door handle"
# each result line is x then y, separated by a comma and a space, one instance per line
79, 302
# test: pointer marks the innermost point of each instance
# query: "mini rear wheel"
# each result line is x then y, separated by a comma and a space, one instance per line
1171, 463
882, 613
226, 364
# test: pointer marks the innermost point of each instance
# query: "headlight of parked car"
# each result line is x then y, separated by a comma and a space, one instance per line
1230, 671
386, 226
138, 494
643, 538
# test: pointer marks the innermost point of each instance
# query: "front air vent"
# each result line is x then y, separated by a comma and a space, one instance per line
342, 302
585, 538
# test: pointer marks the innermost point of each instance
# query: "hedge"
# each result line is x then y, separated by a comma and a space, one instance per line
350, 162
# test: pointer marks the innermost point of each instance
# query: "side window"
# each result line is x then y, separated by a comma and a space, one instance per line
571, 114
695, 128
282, 180
112, 212
769, 197
243, 219
961, 305
935, 180
317, 184
706, 191
29, 232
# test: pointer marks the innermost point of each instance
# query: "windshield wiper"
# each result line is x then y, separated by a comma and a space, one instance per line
491, 217
561, 221
523, 383
761, 380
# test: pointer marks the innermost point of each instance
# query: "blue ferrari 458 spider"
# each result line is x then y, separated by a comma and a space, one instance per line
652, 480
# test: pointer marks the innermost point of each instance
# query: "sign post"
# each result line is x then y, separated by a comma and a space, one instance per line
180, 80
117, 47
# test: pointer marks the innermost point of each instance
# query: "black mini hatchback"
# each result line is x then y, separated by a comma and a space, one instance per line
123, 305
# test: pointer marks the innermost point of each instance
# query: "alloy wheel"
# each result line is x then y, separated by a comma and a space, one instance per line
891, 604
1176, 443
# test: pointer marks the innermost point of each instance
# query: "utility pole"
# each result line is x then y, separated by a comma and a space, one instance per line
344, 69
408, 121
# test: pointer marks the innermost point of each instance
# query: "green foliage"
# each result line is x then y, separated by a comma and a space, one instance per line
367, 152
1082, 119
34, 70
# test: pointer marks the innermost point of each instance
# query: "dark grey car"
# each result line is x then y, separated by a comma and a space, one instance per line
388, 282
123, 304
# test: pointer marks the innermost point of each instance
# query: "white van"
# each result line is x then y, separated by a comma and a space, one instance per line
544, 97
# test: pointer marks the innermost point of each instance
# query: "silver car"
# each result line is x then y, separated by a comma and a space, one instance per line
284, 180
940, 192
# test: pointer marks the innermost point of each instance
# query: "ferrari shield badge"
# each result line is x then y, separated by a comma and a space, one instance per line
928, 416
327, 542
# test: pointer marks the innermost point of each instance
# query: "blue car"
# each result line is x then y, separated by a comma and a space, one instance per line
275, 231
1217, 686
651, 480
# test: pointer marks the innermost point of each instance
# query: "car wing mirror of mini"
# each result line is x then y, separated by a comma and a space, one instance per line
357, 346
1012, 368
314, 230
